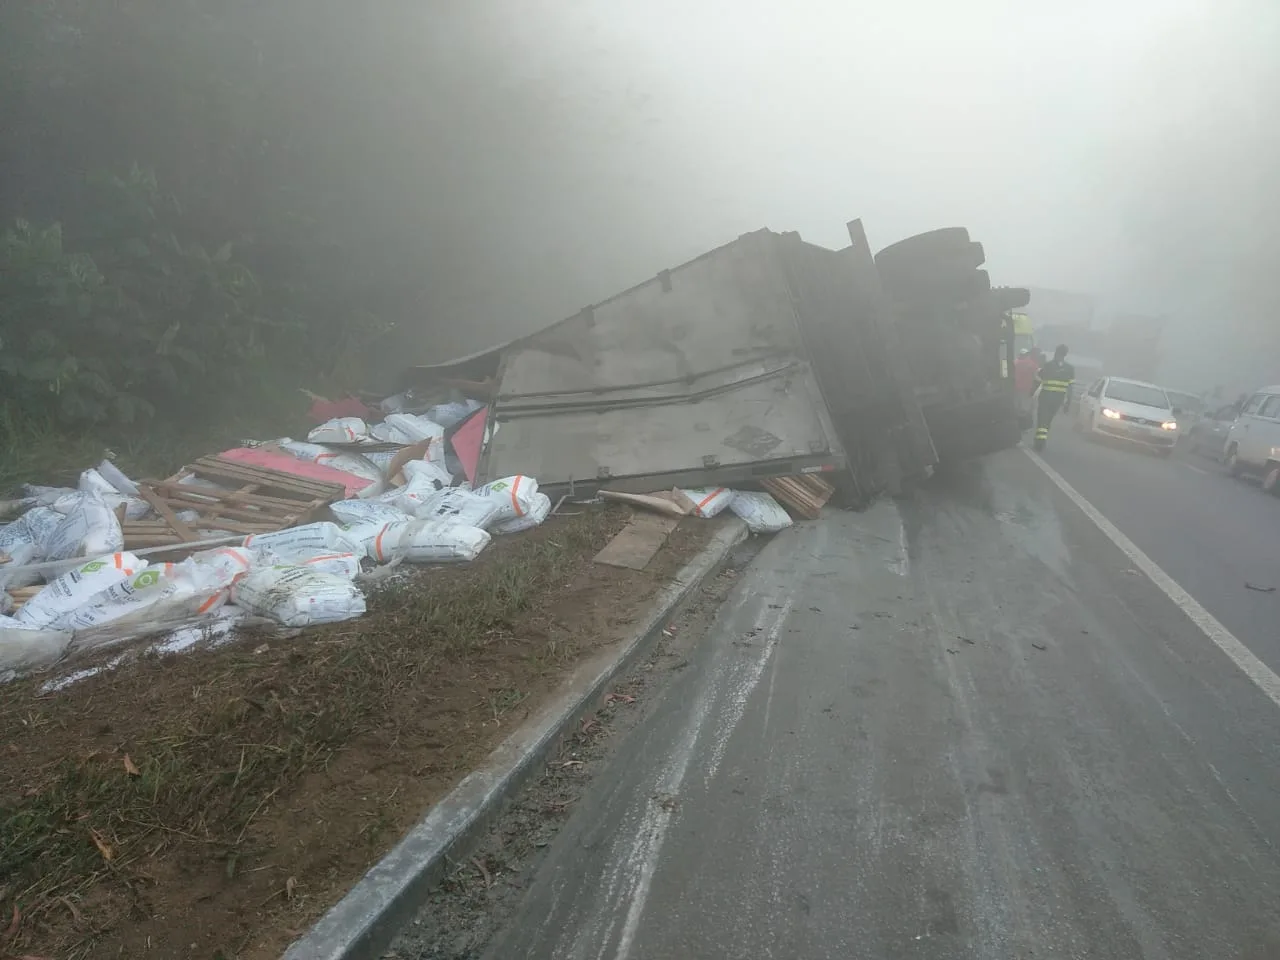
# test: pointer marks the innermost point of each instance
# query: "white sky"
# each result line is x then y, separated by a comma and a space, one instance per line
602, 140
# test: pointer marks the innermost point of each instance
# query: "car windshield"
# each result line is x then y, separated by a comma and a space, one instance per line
1137, 393
1187, 401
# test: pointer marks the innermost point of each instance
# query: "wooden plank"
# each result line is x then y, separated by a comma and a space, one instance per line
266, 477
160, 506
636, 543
196, 495
794, 496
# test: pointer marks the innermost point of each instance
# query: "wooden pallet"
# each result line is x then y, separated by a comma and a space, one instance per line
253, 500
806, 494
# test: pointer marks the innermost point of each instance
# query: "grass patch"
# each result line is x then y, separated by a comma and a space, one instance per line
179, 759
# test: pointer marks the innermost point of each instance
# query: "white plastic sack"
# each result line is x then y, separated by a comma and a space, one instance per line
345, 565
459, 506
308, 540
426, 541
298, 596
366, 511
24, 647
24, 541
89, 528
513, 496
340, 430
539, 510
760, 512
224, 565
709, 502
352, 463
162, 594
116, 477
406, 429
419, 488
93, 482
76, 587
450, 414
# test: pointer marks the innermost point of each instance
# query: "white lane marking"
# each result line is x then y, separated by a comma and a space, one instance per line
1240, 655
641, 859
1192, 466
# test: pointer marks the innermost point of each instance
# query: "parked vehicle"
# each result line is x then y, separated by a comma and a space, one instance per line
1130, 410
1253, 442
1208, 435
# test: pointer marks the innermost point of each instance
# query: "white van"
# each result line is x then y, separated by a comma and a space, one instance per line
1253, 444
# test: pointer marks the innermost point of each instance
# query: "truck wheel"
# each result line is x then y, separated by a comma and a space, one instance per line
904, 274
923, 246
965, 288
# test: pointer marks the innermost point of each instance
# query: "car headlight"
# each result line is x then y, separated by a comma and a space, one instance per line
1169, 425
1110, 414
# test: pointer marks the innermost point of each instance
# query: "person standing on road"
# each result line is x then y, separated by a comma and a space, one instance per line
1055, 379
1025, 369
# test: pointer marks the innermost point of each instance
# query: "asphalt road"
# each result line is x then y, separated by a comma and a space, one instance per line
1211, 533
960, 727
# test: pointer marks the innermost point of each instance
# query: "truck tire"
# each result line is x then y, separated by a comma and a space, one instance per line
902, 274
923, 246
964, 288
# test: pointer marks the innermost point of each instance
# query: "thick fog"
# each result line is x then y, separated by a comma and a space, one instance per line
567, 149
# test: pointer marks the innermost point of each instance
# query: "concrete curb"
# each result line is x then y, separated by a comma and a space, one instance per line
362, 925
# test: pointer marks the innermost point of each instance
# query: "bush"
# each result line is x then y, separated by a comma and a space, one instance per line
123, 314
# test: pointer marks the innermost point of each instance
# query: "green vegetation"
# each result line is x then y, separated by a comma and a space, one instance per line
181, 247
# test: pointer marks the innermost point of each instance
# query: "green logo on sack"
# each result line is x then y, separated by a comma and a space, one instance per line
147, 578
93, 566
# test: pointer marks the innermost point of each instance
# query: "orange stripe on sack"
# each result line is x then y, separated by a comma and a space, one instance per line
708, 498
208, 604
515, 504
377, 542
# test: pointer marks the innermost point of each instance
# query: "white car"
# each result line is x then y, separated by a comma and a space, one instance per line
1253, 444
1129, 410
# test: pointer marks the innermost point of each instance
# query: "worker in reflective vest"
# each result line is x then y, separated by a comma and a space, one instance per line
1055, 379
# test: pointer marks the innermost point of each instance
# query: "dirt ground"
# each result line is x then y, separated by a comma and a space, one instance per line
214, 804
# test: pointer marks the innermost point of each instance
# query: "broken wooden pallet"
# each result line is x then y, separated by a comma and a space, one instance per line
247, 500
805, 493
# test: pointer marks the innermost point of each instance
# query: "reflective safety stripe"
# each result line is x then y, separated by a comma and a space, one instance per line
1042, 433
1052, 388
1057, 383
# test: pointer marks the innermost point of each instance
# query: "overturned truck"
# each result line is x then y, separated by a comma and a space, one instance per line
767, 357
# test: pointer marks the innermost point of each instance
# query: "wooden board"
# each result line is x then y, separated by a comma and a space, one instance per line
260, 500
805, 494
636, 543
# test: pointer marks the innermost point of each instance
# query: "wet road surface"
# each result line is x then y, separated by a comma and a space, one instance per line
1211, 533
959, 727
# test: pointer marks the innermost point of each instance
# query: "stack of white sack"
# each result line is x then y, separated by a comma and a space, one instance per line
520, 505
75, 588
421, 541
451, 414
298, 595
24, 542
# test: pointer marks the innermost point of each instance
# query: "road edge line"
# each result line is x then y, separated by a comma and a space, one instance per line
365, 921
1263, 677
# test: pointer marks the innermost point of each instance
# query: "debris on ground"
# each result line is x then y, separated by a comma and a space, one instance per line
291, 531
